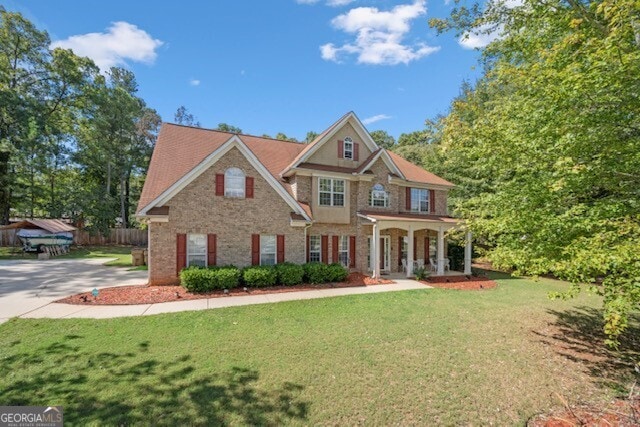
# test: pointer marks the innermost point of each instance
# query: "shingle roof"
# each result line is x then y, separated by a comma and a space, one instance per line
415, 173
179, 149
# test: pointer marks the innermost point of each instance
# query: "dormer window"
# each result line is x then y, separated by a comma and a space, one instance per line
348, 148
234, 183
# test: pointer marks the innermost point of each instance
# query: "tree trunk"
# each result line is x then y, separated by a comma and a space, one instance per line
123, 211
5, 188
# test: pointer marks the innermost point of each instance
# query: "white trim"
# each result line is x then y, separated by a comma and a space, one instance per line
210, 160
357, 126
349, 176
406, 183
157, 218
388, 161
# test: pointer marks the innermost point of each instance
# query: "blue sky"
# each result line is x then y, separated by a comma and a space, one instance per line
271, 66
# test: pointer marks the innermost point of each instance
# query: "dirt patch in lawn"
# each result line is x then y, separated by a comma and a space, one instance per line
145, 294
617, 413
461, 282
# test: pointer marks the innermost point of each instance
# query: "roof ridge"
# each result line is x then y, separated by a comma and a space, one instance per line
233, 133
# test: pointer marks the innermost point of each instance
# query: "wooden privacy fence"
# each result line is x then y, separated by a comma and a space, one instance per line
117, 236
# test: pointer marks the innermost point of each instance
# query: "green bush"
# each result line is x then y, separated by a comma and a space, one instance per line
289, 274
421, 273
315, 272
259, 276
197, 279
336, 272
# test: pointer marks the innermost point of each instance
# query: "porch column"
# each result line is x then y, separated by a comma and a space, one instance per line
440, 269
376, 251
467, 253
410, 252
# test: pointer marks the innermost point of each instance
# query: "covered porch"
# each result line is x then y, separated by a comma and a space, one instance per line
407, 227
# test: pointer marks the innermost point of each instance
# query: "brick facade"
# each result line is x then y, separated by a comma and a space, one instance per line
196, 209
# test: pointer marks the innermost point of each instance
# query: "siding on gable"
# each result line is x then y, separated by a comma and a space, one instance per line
328, 153
196, 209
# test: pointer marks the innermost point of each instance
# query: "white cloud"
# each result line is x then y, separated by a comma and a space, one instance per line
194, 82
121, 42
338, 3
379, 35
375, 118
486, 34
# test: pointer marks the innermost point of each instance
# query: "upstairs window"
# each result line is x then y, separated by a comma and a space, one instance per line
234, 183
419, 200
378, 197
330, 192
348, 148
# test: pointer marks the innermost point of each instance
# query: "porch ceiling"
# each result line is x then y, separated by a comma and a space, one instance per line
410, 221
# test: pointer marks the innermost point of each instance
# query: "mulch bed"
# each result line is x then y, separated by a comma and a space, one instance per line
618, 413
466, 283
145, 294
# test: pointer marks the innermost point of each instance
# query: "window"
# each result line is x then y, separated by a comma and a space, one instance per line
330, 192
343, 250
378, 197
419, 200
433, 248
315, 248
267, 250
197, 250
348, 148
234, 183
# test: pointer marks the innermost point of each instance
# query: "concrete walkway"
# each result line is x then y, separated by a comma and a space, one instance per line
58, 311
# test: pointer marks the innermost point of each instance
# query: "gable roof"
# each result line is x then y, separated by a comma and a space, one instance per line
181, 149
325, 136
182, 152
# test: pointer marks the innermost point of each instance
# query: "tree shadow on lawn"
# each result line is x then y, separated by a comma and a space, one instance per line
577, 335
128, 389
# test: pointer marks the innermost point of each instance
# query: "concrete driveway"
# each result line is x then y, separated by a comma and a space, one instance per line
27, 285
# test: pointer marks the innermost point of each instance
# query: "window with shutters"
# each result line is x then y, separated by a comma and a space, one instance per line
197, 250
419, 200
404, 249
315, 248
378, 197
234, 183
330, 192
348, 148
343, 250
267, 250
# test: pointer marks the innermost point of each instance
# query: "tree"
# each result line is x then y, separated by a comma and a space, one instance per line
311, 135
545, 146
41, 91
183, 117
282, 137
383, 139
224, 127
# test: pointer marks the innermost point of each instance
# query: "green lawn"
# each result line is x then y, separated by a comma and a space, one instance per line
121, 253
417, 357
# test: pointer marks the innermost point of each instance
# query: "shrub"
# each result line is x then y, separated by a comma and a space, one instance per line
421, 273
336, 272
197, 279
259, 276
315, 272
289, 274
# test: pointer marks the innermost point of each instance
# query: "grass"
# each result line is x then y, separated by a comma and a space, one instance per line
122, 254
416, 357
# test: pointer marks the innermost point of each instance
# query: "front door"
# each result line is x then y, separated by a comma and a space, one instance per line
385, 253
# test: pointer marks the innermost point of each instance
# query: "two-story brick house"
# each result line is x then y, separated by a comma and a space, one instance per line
217, 198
